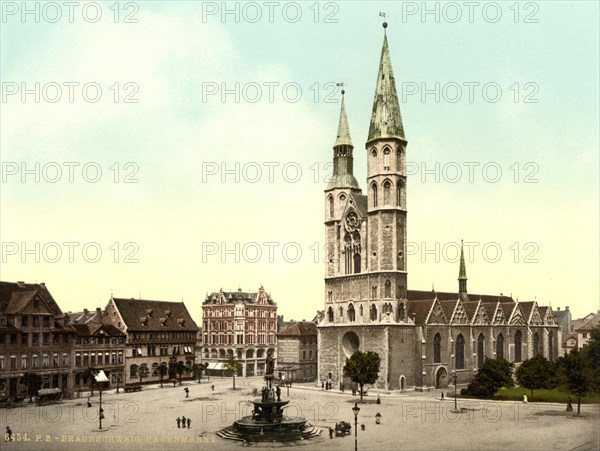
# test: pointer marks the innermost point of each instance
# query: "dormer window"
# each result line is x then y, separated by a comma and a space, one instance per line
149, 312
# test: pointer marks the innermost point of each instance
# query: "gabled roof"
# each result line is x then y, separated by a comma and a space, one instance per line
174, 315
95, 330
590, 324
15, 297
418, 310
301, 328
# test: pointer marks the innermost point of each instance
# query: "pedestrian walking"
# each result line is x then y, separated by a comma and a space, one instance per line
187, 392
442, 396
183, 422
8, 435
178, 422
322, 385
330, 432
524, 398
189, 422
212, 387
378, 400
89, 404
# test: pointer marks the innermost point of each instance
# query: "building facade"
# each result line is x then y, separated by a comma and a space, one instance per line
242, 325
34, 338
420, 336
297, 351
157, 332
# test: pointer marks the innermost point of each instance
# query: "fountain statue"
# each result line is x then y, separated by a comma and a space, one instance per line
267, 422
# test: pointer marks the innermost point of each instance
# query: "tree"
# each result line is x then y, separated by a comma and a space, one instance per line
91, 373
162, 371
180, 368
33, 381
199, 368
536, 373
234, 365
575, 375
362, 368
592, 349
493, 375
143, 371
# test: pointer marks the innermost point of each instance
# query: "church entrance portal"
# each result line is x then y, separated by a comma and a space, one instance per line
441, 378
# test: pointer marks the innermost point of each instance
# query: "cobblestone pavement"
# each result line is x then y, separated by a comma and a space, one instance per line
410, 420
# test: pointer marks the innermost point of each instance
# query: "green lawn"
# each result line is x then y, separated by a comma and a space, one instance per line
554, 395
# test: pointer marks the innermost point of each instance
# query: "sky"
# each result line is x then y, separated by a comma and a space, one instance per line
164, 150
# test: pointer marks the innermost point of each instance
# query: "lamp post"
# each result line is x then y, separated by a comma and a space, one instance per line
454, 376
355, 409
100, 378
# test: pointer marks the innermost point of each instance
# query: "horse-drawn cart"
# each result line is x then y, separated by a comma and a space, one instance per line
48, 395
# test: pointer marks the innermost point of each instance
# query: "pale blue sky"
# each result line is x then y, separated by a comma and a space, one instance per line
173, 54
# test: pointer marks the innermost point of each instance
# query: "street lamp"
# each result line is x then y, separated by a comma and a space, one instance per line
100, 378
454, 376
355, 409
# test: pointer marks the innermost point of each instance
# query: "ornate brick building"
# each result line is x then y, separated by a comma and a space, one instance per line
239, 324
420, 336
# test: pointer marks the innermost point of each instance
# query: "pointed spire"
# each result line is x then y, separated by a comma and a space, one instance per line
386, 121
343, 134
462, 273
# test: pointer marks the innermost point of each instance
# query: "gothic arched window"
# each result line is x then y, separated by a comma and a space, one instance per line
550, 346
459, 353
387, 189
518, 338
500, 347
536, 344
400, 194
330, 315
341, 312
388, 289
360, 310
386, 159
373, 313
480, 350
331, 206
351, 313
437, 348
374, 292
356, 263
374, 193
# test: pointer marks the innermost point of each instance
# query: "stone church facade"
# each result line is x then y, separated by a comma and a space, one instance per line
420, 336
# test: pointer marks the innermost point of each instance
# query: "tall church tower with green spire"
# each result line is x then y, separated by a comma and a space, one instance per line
421, 337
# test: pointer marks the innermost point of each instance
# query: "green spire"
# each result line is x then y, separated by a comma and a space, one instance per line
343, 134
386, 121
462, 274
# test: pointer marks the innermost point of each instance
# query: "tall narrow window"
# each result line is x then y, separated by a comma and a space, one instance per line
356, 263
518, 337
387, 190
400, 194
351, 313
536, 344
386, 159
480, 350
459, 353
373, 313
500, 347
388, 289
550, 346
437, 348
374, 194
331, 206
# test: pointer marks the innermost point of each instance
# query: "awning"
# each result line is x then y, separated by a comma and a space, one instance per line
216, 366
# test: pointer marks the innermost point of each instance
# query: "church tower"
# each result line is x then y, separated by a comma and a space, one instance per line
386, 181
340, 204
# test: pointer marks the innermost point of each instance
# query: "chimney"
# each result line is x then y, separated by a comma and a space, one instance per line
98, 311
42, 284
558, 309
567, 307
85, 311
21, 284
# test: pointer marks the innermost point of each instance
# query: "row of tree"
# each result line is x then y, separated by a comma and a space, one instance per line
577, 372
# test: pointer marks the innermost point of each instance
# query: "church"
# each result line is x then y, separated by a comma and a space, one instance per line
422, 337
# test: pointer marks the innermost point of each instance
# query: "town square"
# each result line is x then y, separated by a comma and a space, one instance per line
326, 225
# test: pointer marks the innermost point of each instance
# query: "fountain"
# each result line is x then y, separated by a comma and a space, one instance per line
267, 422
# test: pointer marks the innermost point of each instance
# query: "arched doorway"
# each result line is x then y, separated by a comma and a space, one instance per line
441, 378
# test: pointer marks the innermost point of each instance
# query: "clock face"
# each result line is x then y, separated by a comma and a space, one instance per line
351, 221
